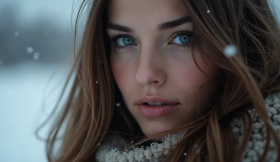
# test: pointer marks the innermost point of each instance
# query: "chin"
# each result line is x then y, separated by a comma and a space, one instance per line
154, 127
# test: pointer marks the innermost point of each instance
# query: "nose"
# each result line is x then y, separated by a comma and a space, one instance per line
151, 69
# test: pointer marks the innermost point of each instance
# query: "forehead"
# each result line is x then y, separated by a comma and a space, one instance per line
146, 12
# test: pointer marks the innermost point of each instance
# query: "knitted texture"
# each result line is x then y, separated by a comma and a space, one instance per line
255, 146
156, 152
112, 147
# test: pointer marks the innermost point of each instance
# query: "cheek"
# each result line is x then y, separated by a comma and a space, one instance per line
118, 72
122, 67
194, 83
122, 75
191, 76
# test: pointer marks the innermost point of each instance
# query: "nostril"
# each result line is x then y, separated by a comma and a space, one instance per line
155, 81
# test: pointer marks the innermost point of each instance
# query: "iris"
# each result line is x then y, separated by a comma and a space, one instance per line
125, 41
183, 39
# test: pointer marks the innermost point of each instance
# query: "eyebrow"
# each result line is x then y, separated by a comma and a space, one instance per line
163, 26
174, 23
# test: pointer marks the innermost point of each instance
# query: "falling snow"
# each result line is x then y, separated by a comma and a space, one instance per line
36, 55
118, 104
1, 62
29, 50
16, 33
230, 50
96, 82
208, 11
185, 154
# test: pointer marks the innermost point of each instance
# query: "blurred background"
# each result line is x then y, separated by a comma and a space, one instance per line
36, 53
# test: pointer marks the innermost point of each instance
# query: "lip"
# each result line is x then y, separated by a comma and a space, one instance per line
154, 99
156, 111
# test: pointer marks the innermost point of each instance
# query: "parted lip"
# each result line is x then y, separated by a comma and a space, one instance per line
153, 99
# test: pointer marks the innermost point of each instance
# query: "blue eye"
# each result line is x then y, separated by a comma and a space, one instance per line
183, 39
125, 41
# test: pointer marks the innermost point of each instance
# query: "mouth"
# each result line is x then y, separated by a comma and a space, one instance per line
156, 106
154, 111
155, 101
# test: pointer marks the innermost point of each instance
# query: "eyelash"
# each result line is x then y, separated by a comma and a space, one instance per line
116, 37
178, 33
183, 32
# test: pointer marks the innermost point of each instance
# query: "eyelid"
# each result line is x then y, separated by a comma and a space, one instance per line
114, 39
117, 36
181, 32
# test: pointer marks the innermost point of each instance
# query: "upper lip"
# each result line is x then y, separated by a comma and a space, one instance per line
154, 99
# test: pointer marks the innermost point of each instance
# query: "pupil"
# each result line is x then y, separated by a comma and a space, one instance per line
185, 38
127, 41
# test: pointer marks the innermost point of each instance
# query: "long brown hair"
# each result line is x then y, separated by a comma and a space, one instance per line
245, 80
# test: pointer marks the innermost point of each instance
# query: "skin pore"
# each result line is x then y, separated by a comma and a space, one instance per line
151, 55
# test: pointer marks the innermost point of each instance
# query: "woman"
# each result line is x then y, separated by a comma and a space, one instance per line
161, 80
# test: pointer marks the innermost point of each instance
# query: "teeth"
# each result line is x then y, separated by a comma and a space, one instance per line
157, 104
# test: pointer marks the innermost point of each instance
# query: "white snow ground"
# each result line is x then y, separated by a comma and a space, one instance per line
24, 90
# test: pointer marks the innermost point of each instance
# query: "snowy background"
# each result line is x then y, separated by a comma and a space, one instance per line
36, 52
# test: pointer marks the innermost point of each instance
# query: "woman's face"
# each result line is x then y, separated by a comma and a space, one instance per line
152, 63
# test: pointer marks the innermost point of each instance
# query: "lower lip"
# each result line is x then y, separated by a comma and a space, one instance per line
156, 111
